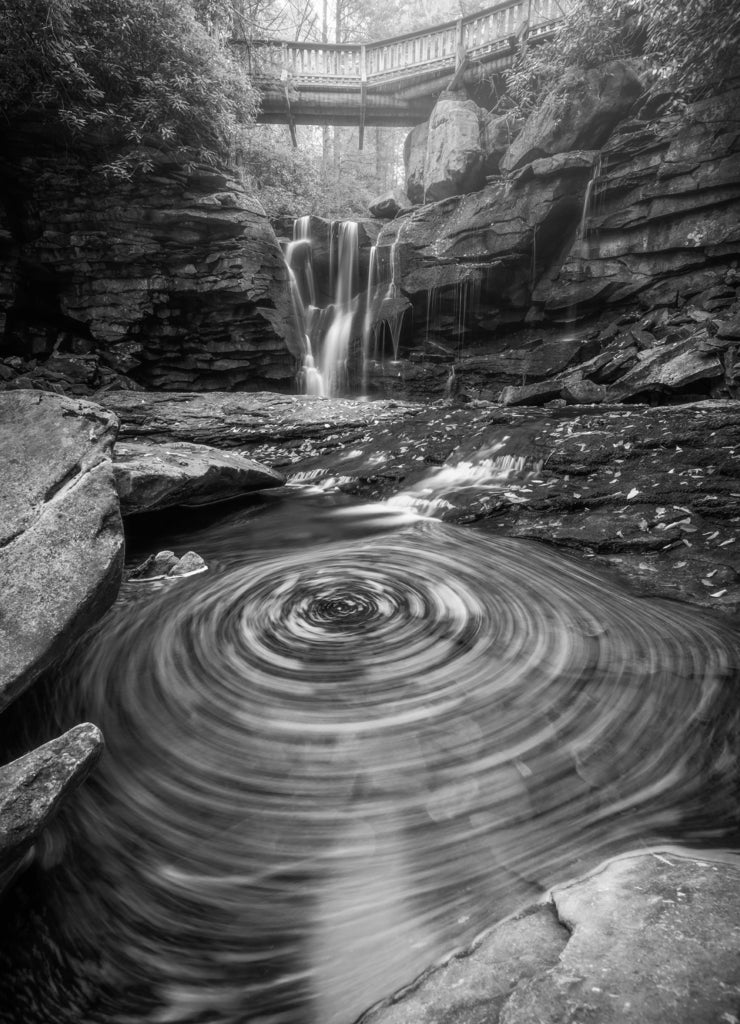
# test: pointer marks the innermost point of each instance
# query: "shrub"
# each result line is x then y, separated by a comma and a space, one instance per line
692, 46
136, 73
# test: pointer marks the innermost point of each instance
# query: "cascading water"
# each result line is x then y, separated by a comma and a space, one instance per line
381, 313
331, 376
355, 741
590, 198
334, 356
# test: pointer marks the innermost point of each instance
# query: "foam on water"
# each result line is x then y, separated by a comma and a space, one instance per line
328, 764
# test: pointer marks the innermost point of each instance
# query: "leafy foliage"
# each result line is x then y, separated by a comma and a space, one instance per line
695, 44
137, 73
691, 45
292, 182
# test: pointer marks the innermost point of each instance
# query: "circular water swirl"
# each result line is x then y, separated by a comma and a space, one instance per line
325, 768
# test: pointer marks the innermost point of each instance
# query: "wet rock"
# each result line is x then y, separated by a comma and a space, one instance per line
484, 243
61, 541
498, 131
454, 161
230, 421
389, 205
414, 157
583, 392
730, 328
580, 115
664, 224
475, 985
654, 939
33, 787
649, 937
155, 566
181, 262
151, 476
578, 160
166, 565
667, 368
531, 394
649, 493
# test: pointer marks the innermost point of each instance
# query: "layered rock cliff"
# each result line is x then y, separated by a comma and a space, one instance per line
175, 277
609, 199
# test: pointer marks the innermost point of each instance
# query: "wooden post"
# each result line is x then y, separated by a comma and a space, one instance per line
459, 45
363, 94
291, 119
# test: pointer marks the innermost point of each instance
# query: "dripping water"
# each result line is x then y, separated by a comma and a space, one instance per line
590, 199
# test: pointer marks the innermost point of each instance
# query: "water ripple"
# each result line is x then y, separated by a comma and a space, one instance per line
324, 769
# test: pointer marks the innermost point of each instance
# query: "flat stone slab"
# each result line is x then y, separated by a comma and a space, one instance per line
153, 476
647, 938
650, 492
230, 420
33, 786
61, 540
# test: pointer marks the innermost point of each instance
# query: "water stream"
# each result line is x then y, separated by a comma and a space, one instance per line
356, 741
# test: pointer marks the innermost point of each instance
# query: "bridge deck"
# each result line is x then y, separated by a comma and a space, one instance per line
395, 81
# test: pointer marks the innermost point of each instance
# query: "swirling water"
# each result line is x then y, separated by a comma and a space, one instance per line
356, 741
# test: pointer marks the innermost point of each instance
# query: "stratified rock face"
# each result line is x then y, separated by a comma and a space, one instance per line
33, 786
234, 421
663, 223
155, 476
182, 261
485, 242
61, 542
454, 157
581, 115
645, 939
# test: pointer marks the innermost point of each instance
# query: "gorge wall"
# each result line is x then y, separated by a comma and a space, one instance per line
610, 201
174, 278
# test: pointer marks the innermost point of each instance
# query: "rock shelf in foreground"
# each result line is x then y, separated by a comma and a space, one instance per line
155, 476
61, 540
646, 938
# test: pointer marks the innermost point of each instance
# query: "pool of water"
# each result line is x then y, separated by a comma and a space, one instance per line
357, 740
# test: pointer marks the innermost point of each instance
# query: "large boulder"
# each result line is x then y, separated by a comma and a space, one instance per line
155, 476
61, 541
498, 132
649, 938
33, 786
454, 161
580, 115
389, 205
414, 158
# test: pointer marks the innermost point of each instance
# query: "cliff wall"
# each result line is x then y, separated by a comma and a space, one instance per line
175, 277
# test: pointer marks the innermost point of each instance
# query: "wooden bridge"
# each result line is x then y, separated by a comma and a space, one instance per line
396, 81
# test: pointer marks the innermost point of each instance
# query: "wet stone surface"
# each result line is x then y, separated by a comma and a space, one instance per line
651, 492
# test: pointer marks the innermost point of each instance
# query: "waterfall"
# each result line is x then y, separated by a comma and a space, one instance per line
589, 200
334, 358
328, 332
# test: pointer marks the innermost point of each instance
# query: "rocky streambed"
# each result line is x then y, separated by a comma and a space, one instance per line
651, 494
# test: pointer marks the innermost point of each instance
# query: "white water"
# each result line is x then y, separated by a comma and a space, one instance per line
590, 199
334, 357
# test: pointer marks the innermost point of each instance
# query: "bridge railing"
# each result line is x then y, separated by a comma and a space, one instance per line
476, 35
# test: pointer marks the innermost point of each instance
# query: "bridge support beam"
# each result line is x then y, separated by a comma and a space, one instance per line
363, 95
